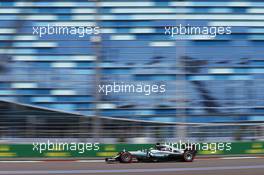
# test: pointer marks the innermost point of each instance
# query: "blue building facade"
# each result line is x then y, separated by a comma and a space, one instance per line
218, 79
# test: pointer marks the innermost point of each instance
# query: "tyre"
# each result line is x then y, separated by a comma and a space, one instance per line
188, 156
125, 157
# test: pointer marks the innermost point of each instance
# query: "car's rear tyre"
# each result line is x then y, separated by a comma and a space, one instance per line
188, 156
125, 157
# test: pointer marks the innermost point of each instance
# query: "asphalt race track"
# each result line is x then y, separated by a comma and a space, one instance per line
212, 166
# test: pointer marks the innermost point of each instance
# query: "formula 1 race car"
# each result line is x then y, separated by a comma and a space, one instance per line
160, 152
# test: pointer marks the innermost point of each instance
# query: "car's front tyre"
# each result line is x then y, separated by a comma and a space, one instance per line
125, 157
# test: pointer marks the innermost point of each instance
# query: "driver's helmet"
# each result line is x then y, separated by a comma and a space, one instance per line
160, 147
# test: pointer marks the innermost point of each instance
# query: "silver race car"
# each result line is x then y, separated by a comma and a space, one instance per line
161, 152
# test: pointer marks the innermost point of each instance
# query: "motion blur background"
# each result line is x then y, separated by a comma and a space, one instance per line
49, 85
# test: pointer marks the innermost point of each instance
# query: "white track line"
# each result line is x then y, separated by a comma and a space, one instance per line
36, 161
132, 170
20, 161
231, 158
90, 161
100, 161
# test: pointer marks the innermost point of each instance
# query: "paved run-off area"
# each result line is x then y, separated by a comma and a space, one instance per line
210, 166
